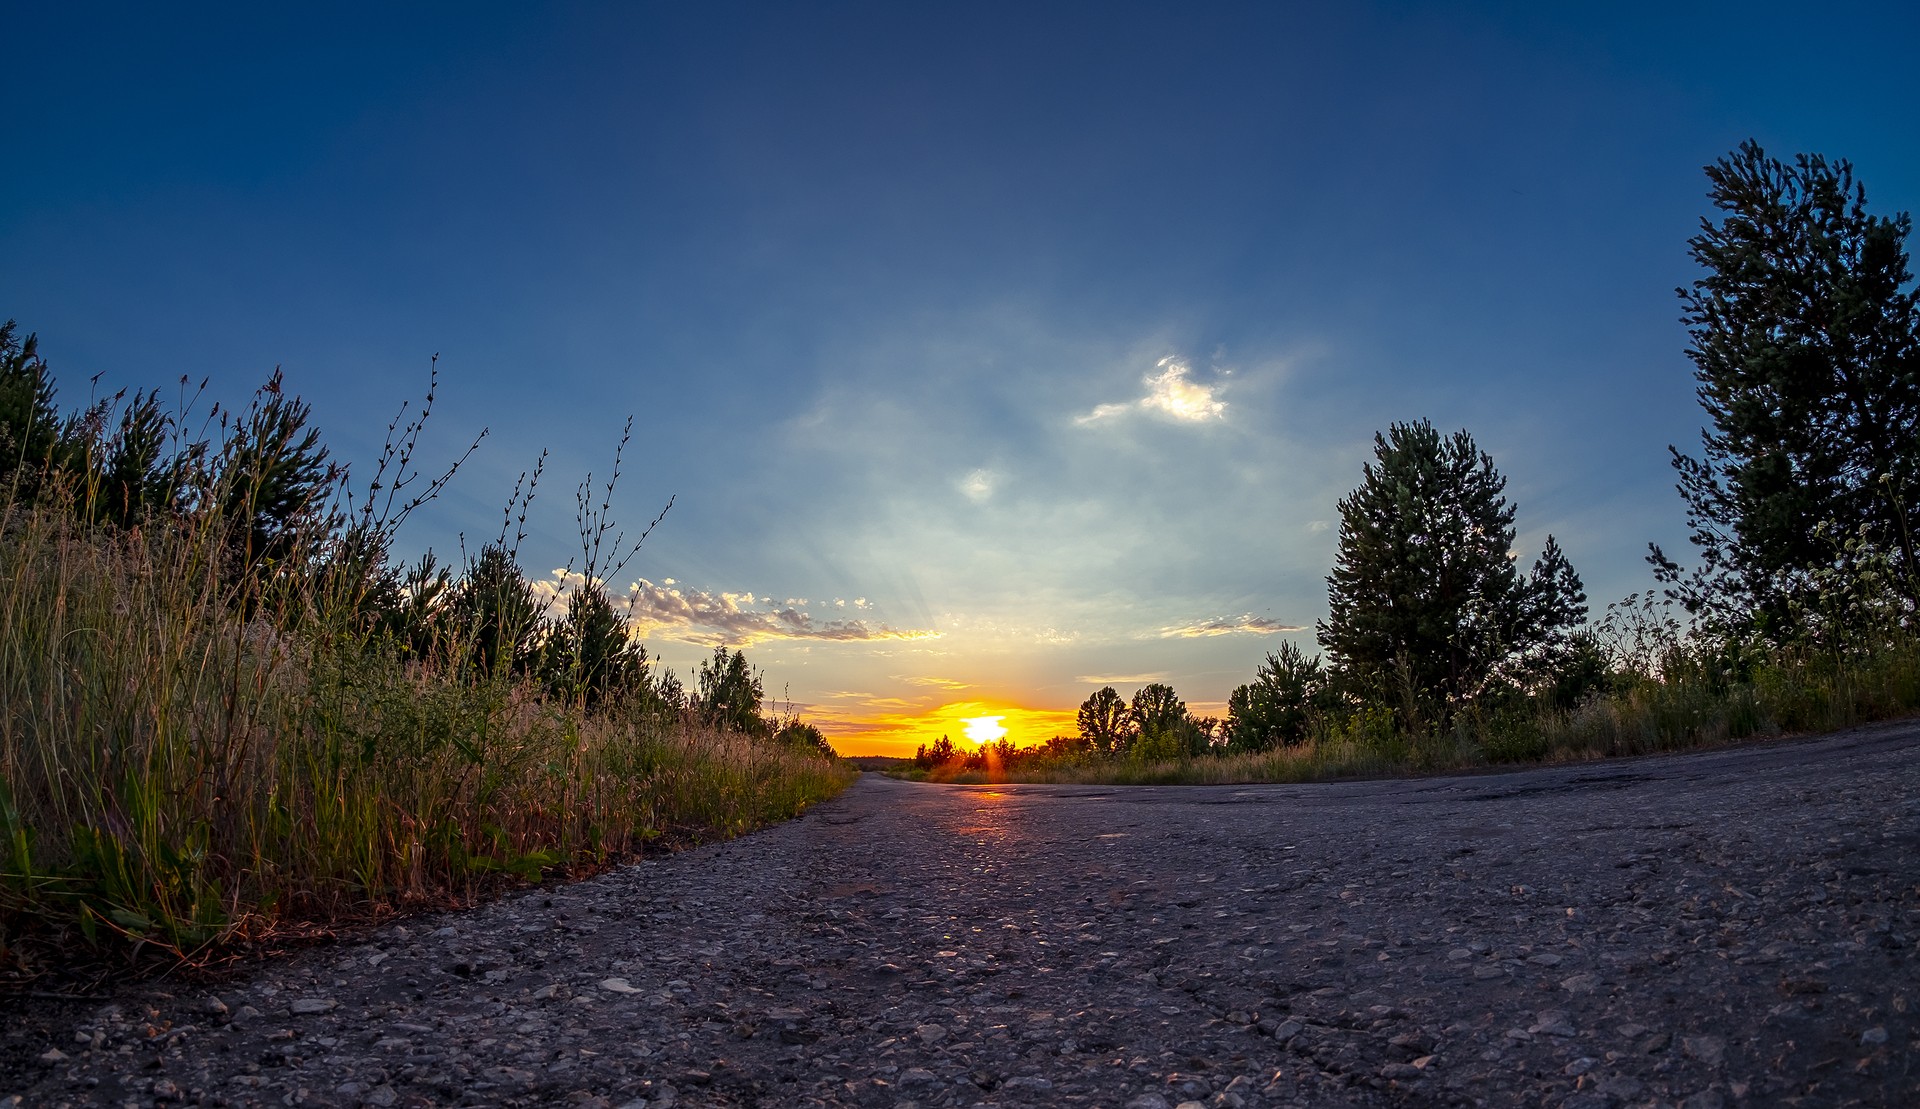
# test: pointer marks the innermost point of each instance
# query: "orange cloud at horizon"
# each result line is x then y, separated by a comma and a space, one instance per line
902, 732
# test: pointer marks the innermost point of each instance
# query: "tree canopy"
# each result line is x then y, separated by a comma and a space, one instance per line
1805, 337
1105, 720
1275, 708
730, 692
1425, 604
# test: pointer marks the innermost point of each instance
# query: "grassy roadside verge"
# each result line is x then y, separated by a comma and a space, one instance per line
181, 773
1695, 703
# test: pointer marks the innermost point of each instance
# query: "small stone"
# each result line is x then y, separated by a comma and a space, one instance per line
1580, 983
1874, 1035
216, 1007
1708, 1049
308, 1006
53, 1055
617, 985
1148, 1101
1413, 1043
1655, 1043
1620, 1087
166, 1088
1578, 1067
1485, 973
1028, 1082
1544, 959
917, 1076
1400, 1071
1288, 1030
1705, 1099
930, 1033
1552, 1022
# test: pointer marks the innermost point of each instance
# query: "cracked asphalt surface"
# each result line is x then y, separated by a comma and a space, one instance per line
1733, 927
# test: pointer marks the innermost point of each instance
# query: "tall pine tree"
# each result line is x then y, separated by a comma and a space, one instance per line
1425, 604
1805, 336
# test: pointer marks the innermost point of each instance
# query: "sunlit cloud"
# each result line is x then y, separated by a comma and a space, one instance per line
1104, 412
1170, 393
672, 611
740, 619
1228, 625
1121, 679
980, 629
978, 486
937, 683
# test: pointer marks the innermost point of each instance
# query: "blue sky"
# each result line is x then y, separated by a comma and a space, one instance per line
995, 351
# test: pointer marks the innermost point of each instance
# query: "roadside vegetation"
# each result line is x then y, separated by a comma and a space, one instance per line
1800, 613
228, 713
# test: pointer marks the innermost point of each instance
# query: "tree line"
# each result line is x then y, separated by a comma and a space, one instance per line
1805, 343
311, 554
1804, 329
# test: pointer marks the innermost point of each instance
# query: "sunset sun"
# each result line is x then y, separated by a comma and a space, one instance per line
984, 729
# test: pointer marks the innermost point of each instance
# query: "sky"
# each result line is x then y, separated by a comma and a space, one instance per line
991, 353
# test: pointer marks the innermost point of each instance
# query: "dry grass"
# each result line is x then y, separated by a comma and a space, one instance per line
174, 777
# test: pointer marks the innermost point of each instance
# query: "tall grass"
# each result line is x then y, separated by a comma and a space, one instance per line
1701, 701
195, 751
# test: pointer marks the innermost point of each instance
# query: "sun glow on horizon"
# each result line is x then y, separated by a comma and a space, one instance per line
984, 729
897, 726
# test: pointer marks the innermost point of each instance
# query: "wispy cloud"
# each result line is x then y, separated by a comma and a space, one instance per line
1228, 625
1170, 393
937, 683
738, 619
978, 485
1121, 679
673, 611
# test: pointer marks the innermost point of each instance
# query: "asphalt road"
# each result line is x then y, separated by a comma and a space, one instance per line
1736, 927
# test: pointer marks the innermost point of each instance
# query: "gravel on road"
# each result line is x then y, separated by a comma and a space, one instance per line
1726, 928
